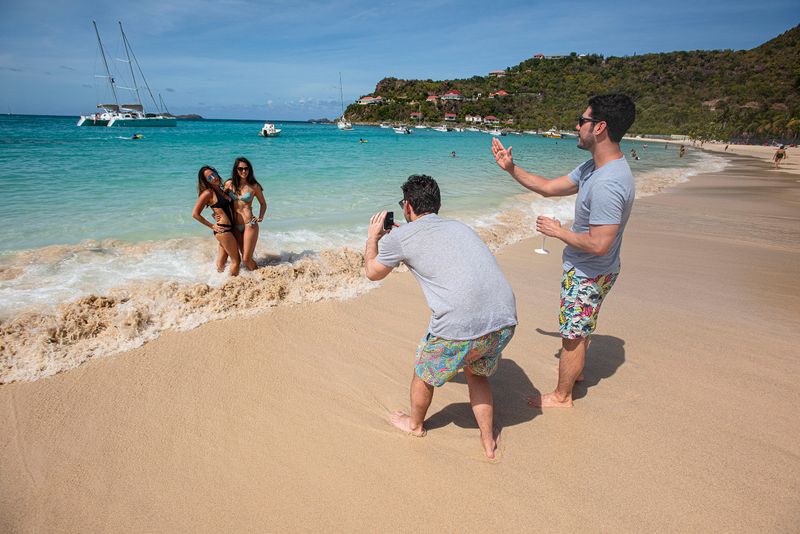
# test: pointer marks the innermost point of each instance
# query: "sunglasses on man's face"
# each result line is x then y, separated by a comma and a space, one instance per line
583, 120
240, 169
402, 203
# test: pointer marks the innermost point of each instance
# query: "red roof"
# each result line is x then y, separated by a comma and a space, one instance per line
490, 118
432, 97
501, 93
453, 92
449, 114
416, 114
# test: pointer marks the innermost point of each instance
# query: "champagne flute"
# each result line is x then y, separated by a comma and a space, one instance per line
543, 250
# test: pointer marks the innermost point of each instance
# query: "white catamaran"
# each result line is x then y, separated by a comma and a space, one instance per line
131, 115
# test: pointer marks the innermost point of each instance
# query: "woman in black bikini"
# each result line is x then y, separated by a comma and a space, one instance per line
210, 194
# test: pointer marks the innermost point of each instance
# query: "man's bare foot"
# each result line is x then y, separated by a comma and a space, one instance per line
549, 401
403, 422
490, 445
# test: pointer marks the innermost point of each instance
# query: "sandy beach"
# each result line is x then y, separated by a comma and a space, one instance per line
687, 420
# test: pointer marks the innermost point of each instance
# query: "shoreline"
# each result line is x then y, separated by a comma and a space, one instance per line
686, 421
36, 343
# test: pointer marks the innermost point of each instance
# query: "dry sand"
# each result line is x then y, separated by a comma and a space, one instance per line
687, 421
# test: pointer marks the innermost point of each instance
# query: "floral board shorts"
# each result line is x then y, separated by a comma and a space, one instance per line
439, 359
581, 298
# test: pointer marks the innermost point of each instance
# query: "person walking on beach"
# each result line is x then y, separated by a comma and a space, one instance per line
682, 151
473, 307
779, 156
591, 264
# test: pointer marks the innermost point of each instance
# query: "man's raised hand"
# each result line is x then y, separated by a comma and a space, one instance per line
502, 155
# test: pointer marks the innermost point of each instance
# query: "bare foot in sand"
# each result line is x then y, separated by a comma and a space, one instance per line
403, 422
490, 445
549, 401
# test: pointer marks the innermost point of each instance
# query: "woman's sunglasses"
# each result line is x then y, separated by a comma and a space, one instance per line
240, 169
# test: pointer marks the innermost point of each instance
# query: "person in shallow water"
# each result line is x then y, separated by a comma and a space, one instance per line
243, 188
209, 194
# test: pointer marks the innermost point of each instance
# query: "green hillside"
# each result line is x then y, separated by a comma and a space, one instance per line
720, 94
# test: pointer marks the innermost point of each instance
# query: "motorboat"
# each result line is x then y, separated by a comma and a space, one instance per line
385, 125
552, 133
402, 130
269, 130
496, 132
421, 127
441, 128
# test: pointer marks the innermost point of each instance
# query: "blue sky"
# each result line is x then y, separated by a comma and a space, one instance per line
281, 59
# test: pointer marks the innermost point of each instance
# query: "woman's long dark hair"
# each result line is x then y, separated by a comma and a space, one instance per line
202, 183
251, 175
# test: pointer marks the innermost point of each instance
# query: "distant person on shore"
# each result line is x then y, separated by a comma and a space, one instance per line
591, 258
779, 156
473, 308
244, 187
726, 148
210, 194
682, 151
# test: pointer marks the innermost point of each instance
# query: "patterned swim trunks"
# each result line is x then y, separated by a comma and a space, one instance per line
438, 359
581, 298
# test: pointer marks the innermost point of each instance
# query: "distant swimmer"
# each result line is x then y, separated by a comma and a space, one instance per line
644, 146
453, 154
634, 155
362, 140
137, 136
682, 150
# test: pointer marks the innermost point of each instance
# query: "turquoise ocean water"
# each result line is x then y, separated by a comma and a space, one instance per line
89, 211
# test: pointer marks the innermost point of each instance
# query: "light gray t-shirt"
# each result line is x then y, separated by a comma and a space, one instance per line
605, 196
463, 285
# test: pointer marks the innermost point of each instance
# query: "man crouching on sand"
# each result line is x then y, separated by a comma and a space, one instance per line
473, 308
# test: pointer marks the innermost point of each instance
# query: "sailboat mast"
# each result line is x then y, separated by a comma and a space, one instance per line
341, 95
130, 65
139, 67
108, 72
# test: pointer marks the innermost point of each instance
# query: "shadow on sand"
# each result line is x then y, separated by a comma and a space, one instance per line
511, 386
604, 356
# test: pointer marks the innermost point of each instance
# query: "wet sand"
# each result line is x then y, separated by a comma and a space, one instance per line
687, 420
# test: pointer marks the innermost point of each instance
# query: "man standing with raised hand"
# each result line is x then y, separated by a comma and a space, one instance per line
605, 193
473, 311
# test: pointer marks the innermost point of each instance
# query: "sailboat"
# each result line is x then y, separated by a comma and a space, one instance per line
131, 115
342, 123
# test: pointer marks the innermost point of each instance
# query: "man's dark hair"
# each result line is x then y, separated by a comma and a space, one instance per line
617, 110
422, 192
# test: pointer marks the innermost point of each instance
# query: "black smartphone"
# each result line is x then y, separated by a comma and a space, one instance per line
388, 222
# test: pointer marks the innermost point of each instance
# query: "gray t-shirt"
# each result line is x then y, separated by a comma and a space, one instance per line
463, 285
605, 196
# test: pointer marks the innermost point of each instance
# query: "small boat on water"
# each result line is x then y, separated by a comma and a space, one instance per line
458, 129
269, 130
421, 127
385, 125
403, 130
552, 133
496, 132
473, 129
342, 123
441, 128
